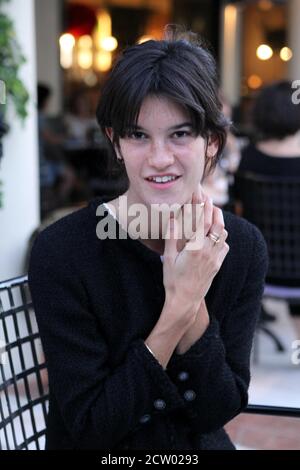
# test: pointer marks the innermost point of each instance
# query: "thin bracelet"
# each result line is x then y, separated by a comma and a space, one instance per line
150, 350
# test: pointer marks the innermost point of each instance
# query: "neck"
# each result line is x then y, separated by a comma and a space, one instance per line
155, 245
121, 212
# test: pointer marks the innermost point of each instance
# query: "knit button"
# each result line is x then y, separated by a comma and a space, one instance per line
144, 419
189, 395
182, 376
159, 404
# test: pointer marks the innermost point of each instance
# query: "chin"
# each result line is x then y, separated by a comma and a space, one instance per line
167, 199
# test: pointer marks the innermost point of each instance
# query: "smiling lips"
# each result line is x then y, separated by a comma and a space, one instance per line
162, 178
162, 182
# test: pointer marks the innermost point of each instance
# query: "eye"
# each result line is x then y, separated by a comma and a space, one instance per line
136, 135
180, 134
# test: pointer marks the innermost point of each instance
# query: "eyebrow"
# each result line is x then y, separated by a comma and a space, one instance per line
173, 128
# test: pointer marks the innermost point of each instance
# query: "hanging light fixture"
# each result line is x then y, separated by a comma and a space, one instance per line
285, 54
104, 42
91, 46
85, 52
264, 52
67, 44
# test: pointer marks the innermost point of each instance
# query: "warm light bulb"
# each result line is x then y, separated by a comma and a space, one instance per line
85, 42
104, 27
103, 61
264, 52
66, 43
85, 58
254, 82
286, 54
109, 43
265, 5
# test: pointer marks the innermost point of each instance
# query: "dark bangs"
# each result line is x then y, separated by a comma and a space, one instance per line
178, 70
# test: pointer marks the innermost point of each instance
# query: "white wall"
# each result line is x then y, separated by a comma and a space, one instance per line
294, 39
19, 166
48, 30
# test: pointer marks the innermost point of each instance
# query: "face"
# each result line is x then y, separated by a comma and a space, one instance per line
162, 145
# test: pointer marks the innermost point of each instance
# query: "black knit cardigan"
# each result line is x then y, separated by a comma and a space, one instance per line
96, 301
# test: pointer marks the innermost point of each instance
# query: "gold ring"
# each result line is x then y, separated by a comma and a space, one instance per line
214, 237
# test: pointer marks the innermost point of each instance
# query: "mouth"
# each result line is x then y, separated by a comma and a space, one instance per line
163, 182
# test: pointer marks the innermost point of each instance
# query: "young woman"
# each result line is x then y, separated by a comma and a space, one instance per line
148, 338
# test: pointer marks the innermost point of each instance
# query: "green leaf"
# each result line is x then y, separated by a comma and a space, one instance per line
11, 59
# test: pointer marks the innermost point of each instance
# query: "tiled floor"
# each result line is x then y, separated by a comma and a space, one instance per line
265, 432
275, 381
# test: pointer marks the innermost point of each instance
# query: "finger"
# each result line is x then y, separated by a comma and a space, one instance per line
197, 240
192, 217
224, 252
216, 241
186, 220
208, 214
200, 222
217, 225
198, 207
171, 238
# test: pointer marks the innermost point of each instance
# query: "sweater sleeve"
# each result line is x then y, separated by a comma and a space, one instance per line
213, 375
99, 405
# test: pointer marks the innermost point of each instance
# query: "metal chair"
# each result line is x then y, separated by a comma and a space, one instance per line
23, 373
273, 205
24, 399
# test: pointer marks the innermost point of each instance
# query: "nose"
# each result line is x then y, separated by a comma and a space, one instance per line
160, 155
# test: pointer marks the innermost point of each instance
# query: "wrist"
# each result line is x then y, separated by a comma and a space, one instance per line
178, 315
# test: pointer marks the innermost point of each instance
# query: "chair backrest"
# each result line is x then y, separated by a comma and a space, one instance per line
23, 373
273, 205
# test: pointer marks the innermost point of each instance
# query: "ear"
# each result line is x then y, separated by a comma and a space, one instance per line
212, 146
110, 133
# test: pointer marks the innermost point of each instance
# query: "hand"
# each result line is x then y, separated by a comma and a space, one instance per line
187, 273
197, 329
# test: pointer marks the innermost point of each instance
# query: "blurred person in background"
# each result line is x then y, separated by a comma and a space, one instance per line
79, 120
56, 177
275, 150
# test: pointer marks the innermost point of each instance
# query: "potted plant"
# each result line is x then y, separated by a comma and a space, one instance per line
12, 88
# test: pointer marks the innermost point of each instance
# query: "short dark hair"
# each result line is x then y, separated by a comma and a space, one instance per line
180, 68
274, 114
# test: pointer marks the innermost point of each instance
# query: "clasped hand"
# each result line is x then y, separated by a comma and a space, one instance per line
190, 267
